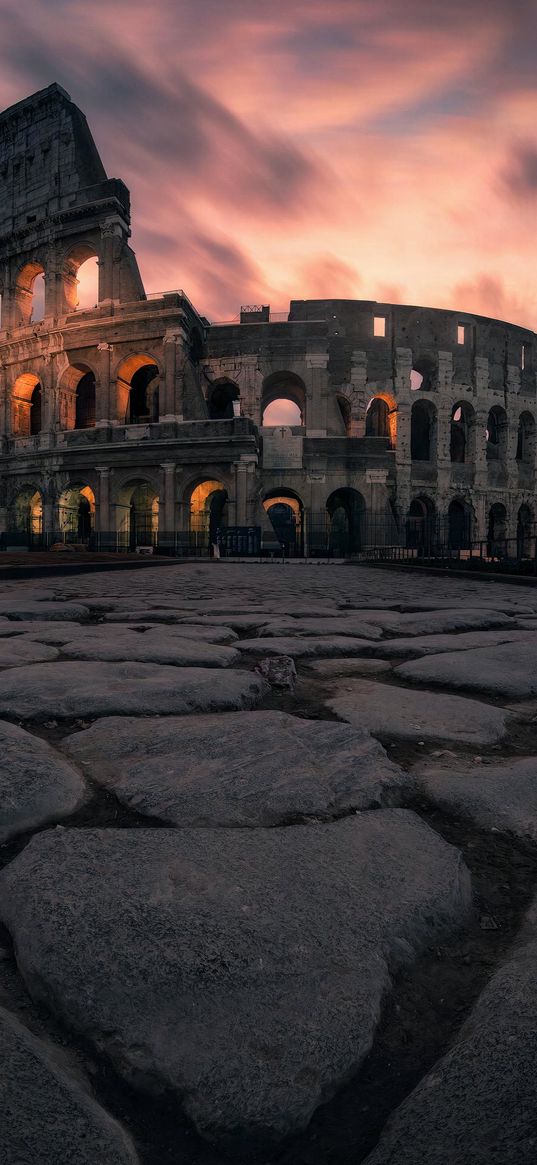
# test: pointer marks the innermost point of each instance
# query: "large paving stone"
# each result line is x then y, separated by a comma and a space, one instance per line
343, 625
19, 609
43, 630
149, 647
507, 670
500, 796
237, 622
418, 646
392, 713
348, 667
441, 621
477, 1105
243, 969
37, 784
48, 1117
18, 651
256, 768
102, 632
70, 688
302, 647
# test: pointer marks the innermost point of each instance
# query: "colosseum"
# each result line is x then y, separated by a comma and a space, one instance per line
340, 426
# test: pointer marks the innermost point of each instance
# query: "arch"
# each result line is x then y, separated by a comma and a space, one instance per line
345, 409
497, 531
381, 418
223, 400
462, 433
137, 507
346, 512
137, 389
26, 512
422, 431
420, 524
79, 381
525, 449
423, 374
80, 275
207, 511
29, 295
76, 513
459, 525
285, 510
496, 434
525, 532
283, 400
26, 405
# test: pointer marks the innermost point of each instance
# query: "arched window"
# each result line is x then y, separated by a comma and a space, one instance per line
525, 449
285, 512
459, 525
85, 402
26, 405
30, 294
223, 401
423, 375
138, 390
283, 400
496, 434
376, 421
80, 278
346, 511
422, 425
497, 531
137, 509
462, 433
35, 410
420, 524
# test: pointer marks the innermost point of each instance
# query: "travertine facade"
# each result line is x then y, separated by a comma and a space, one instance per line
138, 421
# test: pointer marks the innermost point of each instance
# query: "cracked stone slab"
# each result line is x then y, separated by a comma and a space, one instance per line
20, 609
392, 713
37, 784
348, 667
236, 622
440, 621
302, 647
419, 646
102, 632
149, 647
72, 688
237, 769
343, 625
242, 969
43, 630
510, 669
47, 1114
477, 1104
499, 796
18, 651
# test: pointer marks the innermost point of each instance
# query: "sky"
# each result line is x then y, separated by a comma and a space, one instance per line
368, 149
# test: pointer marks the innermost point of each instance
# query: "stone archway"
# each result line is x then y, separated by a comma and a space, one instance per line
346, 513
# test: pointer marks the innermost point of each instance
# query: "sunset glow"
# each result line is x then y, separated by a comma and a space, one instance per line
361, 149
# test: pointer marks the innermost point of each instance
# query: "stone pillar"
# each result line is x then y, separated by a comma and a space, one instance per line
167, 403
358, 393
167, 507
316, 390
107, 263
105, 412
102, 509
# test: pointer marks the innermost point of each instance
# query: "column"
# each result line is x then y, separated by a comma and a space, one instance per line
105, 412
167, 515
316, 388
102, 515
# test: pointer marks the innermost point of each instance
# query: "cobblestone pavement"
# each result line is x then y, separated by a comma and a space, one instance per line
268, 846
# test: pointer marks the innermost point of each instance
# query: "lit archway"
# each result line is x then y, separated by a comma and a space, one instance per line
78, 397
381, 418
26, 512
285, 510
27, 412
137, 390
30, 294
80, 274
207, 511
76, 513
